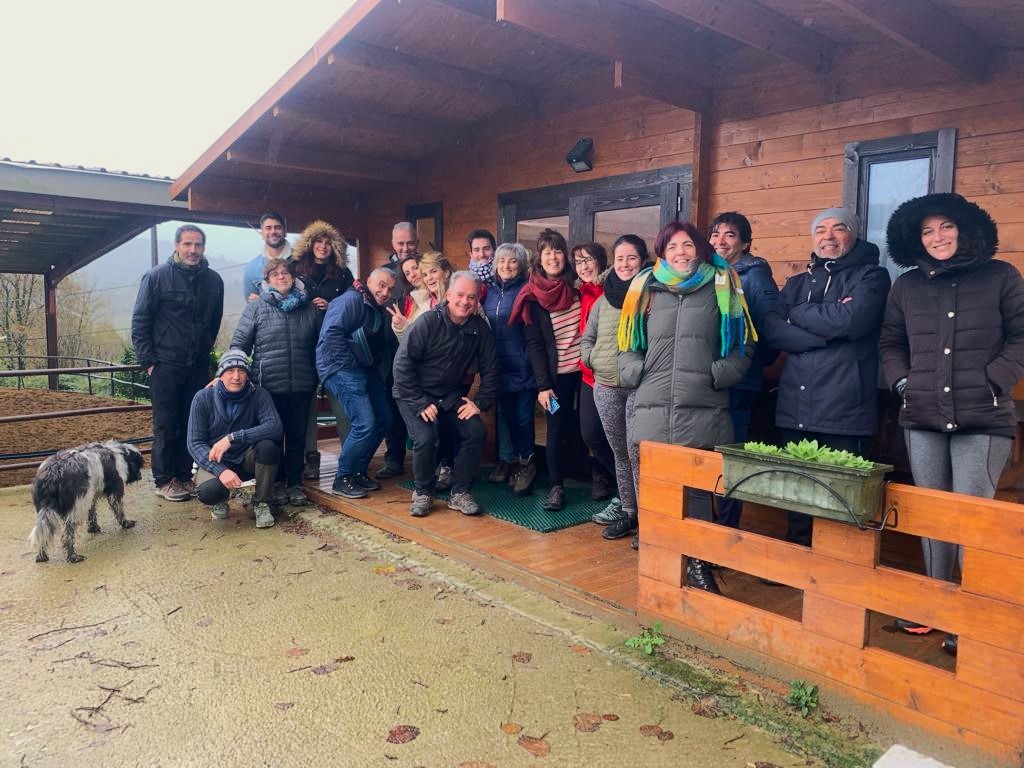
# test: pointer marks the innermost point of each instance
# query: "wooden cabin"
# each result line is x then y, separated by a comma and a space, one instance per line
459, 114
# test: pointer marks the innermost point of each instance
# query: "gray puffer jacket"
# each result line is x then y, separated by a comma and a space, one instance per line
283, 345
682, 382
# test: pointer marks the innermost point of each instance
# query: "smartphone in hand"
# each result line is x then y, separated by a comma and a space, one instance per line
553, 405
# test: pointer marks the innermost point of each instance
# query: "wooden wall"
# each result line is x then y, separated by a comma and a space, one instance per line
777, 151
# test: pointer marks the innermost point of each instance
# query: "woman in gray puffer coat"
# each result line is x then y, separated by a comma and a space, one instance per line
280, 331
952, 347
685, 337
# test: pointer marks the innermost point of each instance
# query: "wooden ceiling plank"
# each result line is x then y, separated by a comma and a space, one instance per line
353, 55
926, 28
758, 27
103, 243
335, 163
675, 91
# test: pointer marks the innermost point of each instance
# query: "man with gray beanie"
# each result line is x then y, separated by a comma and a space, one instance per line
828, 319
233, 430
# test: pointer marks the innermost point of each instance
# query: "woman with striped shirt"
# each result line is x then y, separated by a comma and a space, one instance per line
549, 307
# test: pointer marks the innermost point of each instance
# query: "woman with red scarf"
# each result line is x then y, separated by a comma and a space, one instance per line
549, 308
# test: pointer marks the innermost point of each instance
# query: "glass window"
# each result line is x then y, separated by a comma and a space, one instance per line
889, 184
644, 221
527, 230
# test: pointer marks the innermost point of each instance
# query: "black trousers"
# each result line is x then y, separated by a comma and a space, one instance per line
426, 439
293, 409
567, 386
594, 436
394, 440
171, 389
801, 526
260, 462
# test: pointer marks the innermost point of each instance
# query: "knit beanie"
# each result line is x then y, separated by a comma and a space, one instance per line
845, 215
233, 358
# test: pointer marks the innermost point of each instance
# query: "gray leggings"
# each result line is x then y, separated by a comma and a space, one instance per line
967, 464
611, 407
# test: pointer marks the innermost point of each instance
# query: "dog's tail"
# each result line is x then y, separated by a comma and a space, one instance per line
44, 530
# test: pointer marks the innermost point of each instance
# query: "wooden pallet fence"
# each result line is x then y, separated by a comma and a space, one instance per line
980, 704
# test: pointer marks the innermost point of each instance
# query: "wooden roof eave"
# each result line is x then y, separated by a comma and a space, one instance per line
319, 52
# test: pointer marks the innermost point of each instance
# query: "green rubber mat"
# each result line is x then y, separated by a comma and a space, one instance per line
497, 501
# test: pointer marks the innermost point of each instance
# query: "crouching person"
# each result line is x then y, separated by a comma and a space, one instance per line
233, 429
439, 350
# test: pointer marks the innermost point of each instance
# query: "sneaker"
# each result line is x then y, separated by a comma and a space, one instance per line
420, 506
296, 497
623, 526
343, 486
635, 544
360, 479
444, 477
188, 486
389, 470
463, 501
949, 644
264, 517
523, 477
311, 471
501, 473
172, 491
601, 488
911, 627
700, 576
219, 511
609, 514
556, 499
279, 495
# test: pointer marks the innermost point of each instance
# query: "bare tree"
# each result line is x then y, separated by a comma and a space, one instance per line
21, 305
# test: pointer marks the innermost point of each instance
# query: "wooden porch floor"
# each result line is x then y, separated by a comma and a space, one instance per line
578, 565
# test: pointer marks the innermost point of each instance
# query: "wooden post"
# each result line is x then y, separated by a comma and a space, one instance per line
700, 186
50, 291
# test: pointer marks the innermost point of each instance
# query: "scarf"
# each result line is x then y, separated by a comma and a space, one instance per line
736, 324
295, 298
615, 289
232, 400
553, 295
482, 270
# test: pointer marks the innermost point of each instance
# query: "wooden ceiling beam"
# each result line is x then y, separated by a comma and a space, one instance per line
340, 118
758, 27
356, 56
330, 163
675, 91
106, 241
925, 28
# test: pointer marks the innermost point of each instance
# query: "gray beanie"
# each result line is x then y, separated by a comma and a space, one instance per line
845, 215
233, 358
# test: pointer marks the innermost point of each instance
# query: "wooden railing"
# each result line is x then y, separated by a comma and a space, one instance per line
980, 704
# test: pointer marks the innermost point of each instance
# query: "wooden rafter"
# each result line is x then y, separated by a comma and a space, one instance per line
756, 26
118, 234
944, 39
670, 91
328, 163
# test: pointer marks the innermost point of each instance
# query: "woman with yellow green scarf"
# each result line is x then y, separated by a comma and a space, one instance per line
685, 337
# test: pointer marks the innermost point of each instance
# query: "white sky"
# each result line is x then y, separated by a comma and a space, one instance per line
143, 87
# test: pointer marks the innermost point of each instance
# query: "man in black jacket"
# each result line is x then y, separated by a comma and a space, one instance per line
438, 352
174, 326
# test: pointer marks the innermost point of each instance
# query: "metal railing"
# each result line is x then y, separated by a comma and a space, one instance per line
90, 371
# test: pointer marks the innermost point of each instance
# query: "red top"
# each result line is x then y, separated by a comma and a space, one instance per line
589, 293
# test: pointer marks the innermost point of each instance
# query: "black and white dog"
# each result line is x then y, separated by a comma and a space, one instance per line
68, 485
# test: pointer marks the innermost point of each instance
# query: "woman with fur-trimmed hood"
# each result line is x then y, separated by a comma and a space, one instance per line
952, 347
322, 265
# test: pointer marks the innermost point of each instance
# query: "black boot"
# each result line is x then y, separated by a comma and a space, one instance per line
311, 471
700, 576
601, 487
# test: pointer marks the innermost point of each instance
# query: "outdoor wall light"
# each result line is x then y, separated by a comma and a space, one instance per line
578, 157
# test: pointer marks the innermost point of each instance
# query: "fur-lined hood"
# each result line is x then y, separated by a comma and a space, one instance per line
978, 240
317, 229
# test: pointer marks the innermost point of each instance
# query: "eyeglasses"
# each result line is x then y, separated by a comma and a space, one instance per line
581, 260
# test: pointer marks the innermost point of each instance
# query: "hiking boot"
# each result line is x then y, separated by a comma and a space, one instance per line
911, 627
219, 511
264, 517
389, 470
700, 576
463, 501
360, 479
601, 488
420, 506
343, 486
623, 526
172, 491
949, 644
524, 476
444, 477
279, 495
556, 499
187, 486
635, 544
609, 514
296, 497
502, 473
311, 471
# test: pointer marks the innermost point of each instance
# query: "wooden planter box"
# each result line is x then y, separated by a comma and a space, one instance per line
845, 494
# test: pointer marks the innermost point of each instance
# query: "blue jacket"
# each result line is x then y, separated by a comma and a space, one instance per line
353, 334
761, 293
516, 373
208, 421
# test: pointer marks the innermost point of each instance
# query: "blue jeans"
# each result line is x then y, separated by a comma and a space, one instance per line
515, 414
361, 393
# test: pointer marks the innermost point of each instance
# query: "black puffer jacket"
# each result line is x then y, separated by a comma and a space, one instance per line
828, 320
954, 329
283, 345
177, 315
